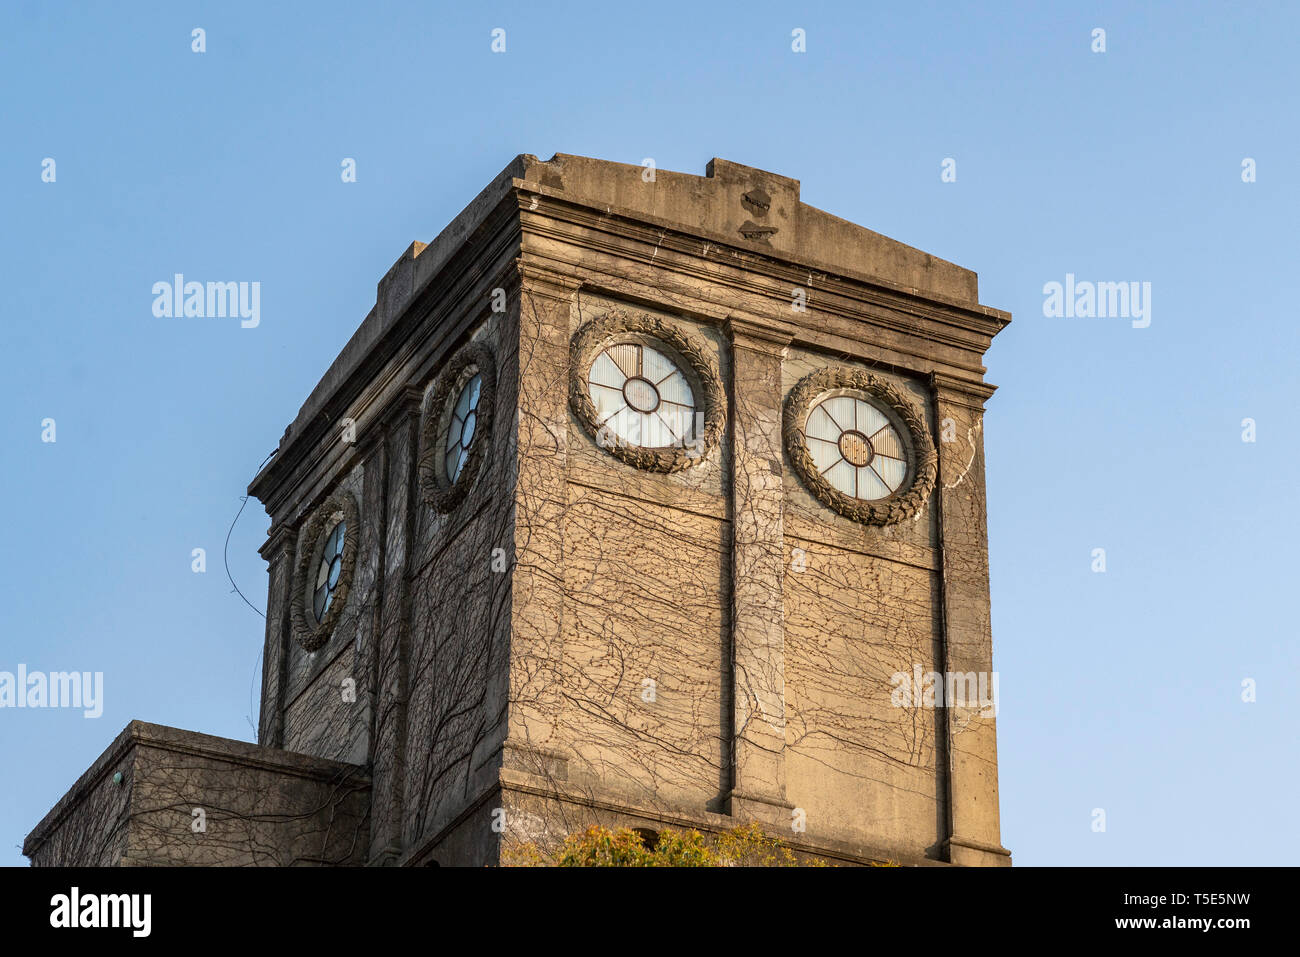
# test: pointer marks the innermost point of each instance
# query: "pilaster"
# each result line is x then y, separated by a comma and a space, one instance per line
758, 785
392, 653
279, 553
540, 377
971, 730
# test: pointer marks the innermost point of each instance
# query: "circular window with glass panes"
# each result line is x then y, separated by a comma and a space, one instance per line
327, 550
859, 445
642, 397
647, 391
329, 571
456, 427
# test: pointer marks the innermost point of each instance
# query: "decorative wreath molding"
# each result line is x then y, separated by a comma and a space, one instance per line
923, 469
696, 361
308, 632
440, 493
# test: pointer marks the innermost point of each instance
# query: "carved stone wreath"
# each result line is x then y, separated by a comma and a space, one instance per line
439, 491
700, 367
308, 632
924, 467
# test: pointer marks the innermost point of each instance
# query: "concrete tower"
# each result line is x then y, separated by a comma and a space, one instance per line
639, 498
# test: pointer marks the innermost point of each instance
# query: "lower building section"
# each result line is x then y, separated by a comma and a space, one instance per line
163, 796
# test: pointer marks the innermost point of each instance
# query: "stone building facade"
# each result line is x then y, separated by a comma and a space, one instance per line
576, 529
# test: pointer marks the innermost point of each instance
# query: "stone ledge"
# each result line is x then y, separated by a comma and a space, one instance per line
970, 852
709, 822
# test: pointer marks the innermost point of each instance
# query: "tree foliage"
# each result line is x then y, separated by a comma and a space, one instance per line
744, 846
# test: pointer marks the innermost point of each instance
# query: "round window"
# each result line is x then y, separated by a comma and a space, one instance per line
856, 447
859, 445
327, 553
456, 430
642, 397
647, 391
328, 571
462, 427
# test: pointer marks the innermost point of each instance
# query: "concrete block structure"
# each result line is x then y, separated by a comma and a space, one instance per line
633, 501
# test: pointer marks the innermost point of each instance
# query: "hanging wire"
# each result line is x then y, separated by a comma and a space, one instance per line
225, 557
225, 551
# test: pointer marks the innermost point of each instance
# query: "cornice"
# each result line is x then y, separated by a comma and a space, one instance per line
770, 337
835, 308
729, 265
548, 282
962, 391
540, 204
281, 542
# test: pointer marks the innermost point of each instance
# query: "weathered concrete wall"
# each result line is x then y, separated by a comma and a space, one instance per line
861, 604
327, 691
458, 606
646, 600
416, 641
89, 826
258, 806
772, 626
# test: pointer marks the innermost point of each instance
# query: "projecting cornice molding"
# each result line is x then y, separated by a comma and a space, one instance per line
565, 224
973, 395
771, 337
546, 211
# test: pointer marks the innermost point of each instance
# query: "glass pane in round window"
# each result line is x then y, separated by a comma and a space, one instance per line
328, 571
462, 428
856, 447
642, 397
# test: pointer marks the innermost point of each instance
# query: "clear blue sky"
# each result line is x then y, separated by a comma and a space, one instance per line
1119, 690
